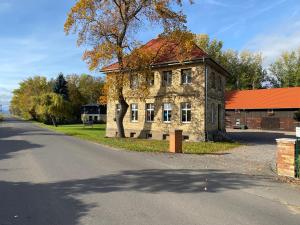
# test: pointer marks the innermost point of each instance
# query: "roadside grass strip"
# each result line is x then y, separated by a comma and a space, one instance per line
97, 134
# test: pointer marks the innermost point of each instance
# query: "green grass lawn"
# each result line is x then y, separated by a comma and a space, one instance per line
97, 134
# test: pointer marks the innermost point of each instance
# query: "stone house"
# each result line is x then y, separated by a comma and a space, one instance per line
187, 96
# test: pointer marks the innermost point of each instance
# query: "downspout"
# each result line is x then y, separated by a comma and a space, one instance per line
206, 103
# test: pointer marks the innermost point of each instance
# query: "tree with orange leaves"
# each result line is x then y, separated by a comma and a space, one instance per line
109, 27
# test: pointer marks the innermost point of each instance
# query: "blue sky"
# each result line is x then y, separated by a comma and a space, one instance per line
32, 41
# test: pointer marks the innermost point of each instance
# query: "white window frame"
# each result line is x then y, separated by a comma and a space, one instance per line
168, 81
134, 112
151, 80
186, 76
118, 109
134, 81
167, 107
184, 108
150, 111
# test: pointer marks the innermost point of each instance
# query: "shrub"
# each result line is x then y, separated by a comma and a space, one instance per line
297, 115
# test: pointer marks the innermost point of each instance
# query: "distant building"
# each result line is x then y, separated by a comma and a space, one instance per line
94, 112
267, 109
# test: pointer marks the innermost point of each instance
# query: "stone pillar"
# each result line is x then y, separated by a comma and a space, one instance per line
176, 141
286, 157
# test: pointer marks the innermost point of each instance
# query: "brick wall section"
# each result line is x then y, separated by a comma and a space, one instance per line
176, 141
286, 157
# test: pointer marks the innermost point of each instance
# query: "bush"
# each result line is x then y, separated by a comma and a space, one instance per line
1, 117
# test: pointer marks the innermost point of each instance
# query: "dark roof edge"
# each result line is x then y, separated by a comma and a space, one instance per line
173, 63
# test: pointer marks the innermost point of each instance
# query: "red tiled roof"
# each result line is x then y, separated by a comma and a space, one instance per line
276, 98
169, 56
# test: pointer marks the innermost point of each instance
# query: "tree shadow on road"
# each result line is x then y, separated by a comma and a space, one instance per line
61, 202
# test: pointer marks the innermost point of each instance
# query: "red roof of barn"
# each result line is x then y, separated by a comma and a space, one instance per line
168, 57
276, 98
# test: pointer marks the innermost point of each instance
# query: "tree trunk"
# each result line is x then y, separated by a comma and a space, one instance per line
120, 117
53, 121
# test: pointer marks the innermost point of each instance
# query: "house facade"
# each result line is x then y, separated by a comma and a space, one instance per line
93, 112
188, 96
266, 109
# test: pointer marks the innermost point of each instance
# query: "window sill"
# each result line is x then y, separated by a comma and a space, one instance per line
167, 122
186, 122
149, 121
134, 121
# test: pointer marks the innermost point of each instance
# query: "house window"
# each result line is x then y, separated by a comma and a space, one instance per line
134, 112
150, 112
167, 112
186, 112
134, 81
213, 80
186, 76
167, 78
118, 109
150, 79
220, 85
213, 113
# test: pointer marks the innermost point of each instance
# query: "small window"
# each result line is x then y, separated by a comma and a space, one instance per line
186, 112
134, 82
165, 136
132, 135
167, 112
213, 80
118, 109
167, 78
149, 112
95, 118
185, 137
237, 111
186, 76
212, 113
150, 79
270, 112
134, 112
149, 136
220, 85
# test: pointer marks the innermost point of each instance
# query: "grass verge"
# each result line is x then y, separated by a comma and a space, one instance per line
97, 134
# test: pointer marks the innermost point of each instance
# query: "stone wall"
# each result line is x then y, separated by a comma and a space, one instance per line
286, 157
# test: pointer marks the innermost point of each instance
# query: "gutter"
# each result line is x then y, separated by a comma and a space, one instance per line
206, 102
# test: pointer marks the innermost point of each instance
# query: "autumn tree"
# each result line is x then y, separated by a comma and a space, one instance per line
53, 106
109, 27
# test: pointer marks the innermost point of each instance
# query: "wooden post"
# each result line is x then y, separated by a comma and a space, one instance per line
176, 141
285, 157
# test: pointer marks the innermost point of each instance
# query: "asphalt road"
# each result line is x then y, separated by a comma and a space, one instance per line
51, 179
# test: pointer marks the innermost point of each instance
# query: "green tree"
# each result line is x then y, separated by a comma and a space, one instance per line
285, 71
213, 47
246, 70
60, 87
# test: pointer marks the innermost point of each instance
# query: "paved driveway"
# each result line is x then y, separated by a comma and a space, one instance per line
259, 148
48, 178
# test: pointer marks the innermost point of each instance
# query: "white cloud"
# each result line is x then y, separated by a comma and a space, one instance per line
272, 43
